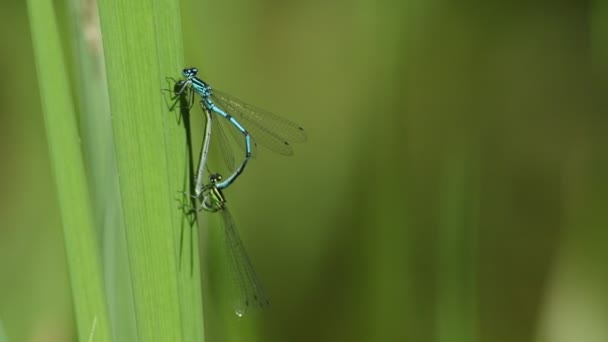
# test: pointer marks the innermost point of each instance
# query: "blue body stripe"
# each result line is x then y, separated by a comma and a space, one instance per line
237, 124
203, 89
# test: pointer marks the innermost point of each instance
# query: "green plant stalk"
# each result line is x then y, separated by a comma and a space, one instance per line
100, 159
143, 44
68, 167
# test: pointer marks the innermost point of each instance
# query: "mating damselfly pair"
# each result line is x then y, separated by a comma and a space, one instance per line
248, 126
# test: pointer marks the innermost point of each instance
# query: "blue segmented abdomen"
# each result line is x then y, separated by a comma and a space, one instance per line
214, 108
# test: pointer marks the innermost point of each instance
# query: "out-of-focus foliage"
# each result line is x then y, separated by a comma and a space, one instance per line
452, 188
34, 288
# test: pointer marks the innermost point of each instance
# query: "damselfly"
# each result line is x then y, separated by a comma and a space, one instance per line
247, 287
253, 125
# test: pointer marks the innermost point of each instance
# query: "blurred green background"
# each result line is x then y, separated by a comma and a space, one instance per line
452, 187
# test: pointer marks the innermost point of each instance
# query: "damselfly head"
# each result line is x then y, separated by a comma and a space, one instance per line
214, 178
190, 72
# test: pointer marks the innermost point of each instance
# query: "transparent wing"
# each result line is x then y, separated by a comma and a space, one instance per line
220, 141
234, 157
270, 130
248, 289
237, 137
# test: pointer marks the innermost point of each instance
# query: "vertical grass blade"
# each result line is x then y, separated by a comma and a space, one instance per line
100, 159
69, 172
142, 45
